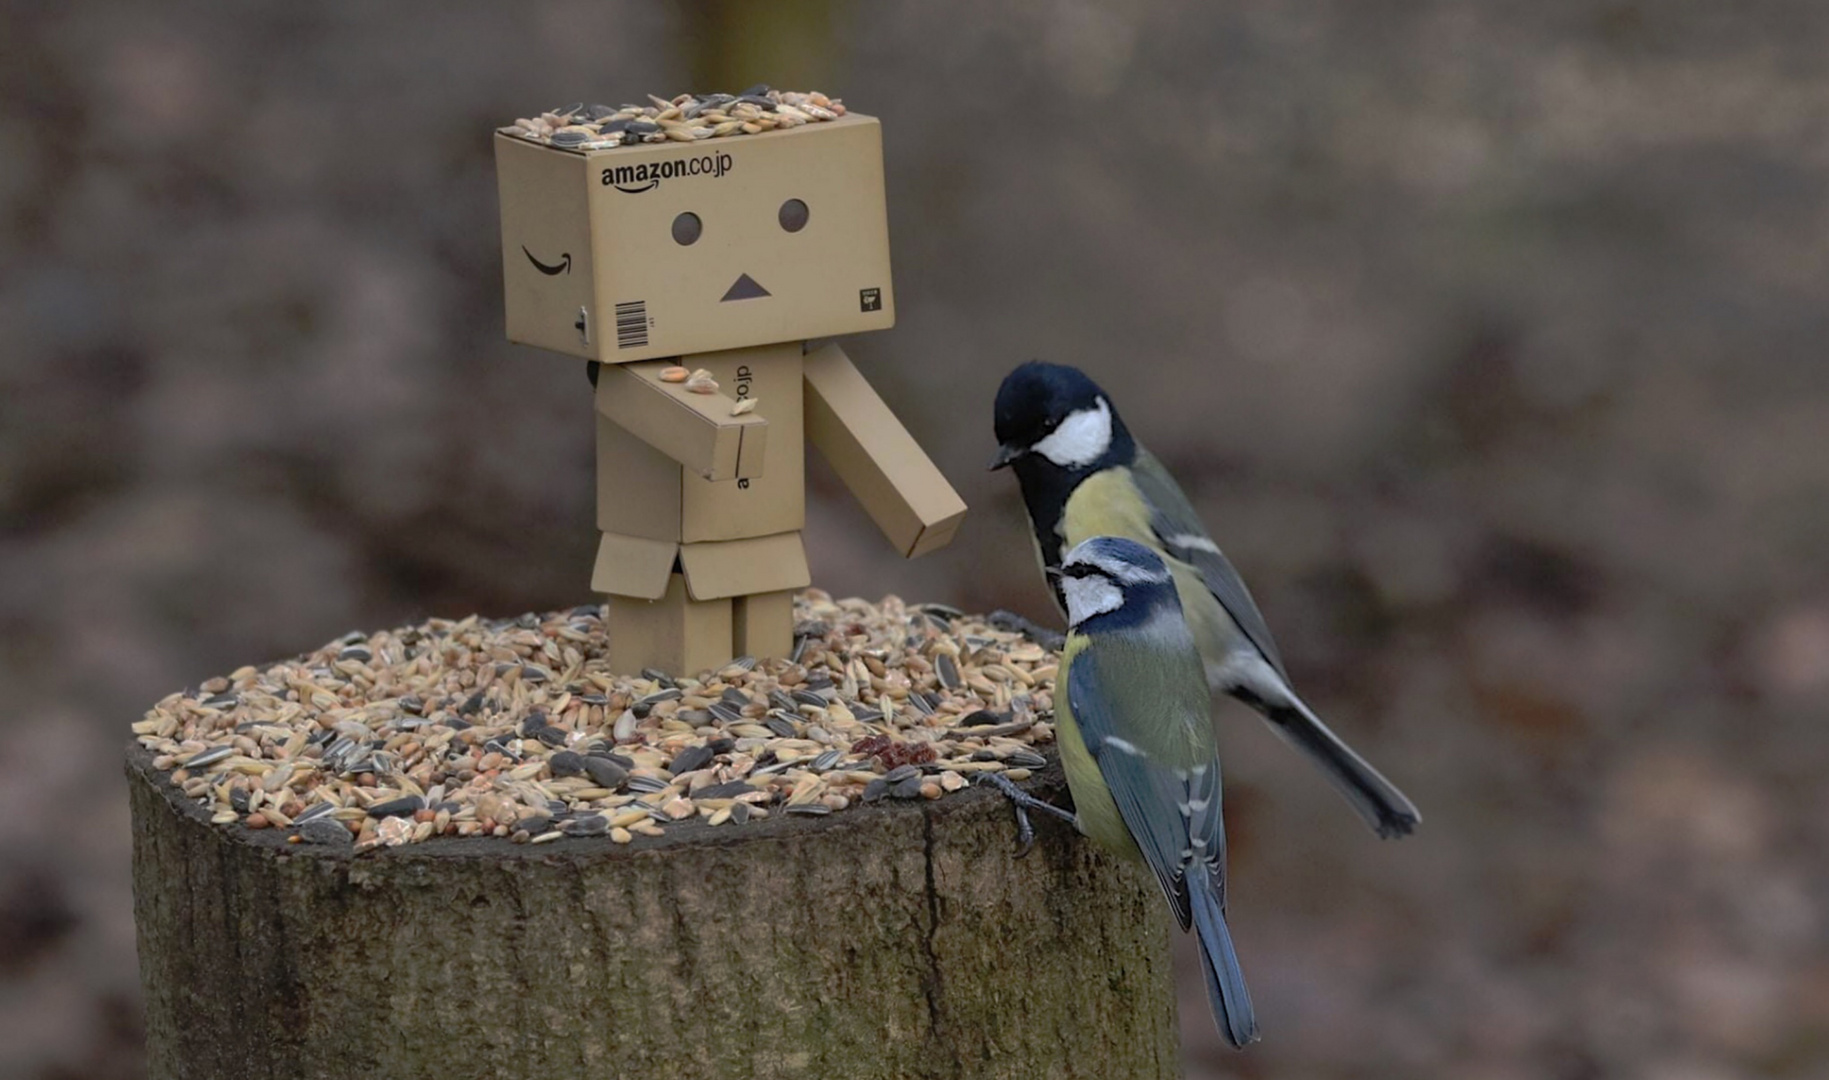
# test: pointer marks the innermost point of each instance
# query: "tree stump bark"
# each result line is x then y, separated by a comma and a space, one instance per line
893, 940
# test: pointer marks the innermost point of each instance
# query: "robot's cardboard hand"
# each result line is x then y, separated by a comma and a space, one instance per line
898, 485
696, 430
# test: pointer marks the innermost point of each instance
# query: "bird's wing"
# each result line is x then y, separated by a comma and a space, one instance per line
1171, 807
1178, 529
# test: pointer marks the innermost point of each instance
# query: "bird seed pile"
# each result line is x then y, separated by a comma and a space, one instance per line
517, 728
686, 118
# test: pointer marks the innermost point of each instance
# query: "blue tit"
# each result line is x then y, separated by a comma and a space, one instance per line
1084, 475
1130, 710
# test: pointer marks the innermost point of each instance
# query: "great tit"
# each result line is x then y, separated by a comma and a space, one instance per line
1130, 714
1084, 475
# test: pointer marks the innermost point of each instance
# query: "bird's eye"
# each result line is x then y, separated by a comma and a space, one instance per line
686, 228
793, 215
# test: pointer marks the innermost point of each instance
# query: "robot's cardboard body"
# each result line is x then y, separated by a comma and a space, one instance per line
726, 255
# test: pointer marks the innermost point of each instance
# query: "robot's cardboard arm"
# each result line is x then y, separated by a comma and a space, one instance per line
876, 457
695, 430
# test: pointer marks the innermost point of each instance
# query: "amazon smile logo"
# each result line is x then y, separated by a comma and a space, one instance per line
646, 176
564, 266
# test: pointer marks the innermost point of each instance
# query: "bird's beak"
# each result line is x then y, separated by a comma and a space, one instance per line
1005, 455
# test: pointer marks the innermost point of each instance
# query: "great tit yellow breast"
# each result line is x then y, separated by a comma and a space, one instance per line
1108, 503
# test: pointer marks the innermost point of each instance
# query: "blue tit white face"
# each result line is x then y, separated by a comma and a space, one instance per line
1104, 575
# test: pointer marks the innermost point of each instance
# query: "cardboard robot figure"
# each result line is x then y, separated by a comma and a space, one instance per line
726, 255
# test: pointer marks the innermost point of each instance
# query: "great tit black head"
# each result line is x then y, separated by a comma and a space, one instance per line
1056, 414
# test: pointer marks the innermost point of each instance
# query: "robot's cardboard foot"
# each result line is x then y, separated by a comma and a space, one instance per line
683, 636
675, 634
763, 624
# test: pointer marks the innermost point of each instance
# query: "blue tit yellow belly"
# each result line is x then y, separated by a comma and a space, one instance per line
1092, 802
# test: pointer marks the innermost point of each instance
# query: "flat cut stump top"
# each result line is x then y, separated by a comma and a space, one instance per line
891, 938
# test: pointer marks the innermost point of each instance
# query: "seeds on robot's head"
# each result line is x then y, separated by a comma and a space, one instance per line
793, 215
686, 228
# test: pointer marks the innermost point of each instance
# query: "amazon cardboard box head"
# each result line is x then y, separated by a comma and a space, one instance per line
654, 250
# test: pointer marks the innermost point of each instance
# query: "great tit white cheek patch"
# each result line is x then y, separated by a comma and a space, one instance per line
1081, 439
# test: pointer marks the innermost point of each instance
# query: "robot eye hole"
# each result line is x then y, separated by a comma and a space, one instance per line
793, 215
686, 228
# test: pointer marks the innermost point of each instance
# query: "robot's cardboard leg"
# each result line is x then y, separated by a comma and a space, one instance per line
764, 624
676, 634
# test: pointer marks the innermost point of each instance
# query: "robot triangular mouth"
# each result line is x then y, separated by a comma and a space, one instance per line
745, 288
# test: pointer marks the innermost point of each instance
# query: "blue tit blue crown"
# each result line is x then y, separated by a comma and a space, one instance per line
1054, 415
1111, 583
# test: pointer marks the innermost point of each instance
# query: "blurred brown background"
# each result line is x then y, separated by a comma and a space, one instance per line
1488, 337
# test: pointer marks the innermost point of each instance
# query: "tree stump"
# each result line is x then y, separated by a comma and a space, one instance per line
891, 940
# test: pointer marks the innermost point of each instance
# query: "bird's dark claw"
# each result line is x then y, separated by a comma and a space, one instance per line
1025, 833
1022, 802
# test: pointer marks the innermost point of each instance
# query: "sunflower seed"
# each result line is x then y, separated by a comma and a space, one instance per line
594, 825
208, 757
724, 791
691, 759
313, 812
604, 772
671, 693
402, 807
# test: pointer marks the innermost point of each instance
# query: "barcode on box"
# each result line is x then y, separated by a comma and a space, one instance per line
632, 324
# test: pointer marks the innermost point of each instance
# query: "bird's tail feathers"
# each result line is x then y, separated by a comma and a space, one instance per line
1387, 810
1226, 993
